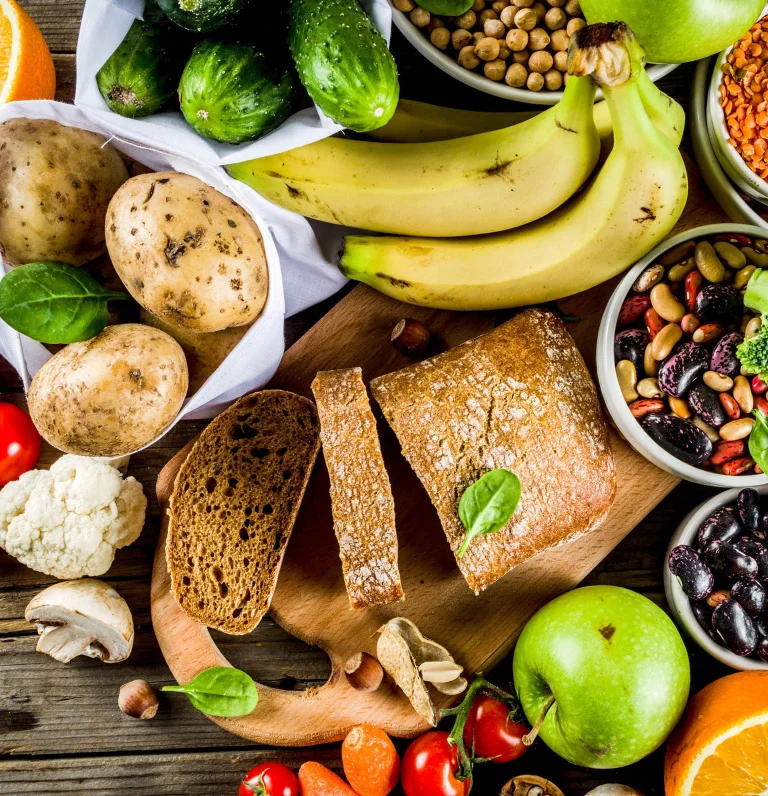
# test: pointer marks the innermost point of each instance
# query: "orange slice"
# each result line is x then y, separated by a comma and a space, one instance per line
721, 746
26, 66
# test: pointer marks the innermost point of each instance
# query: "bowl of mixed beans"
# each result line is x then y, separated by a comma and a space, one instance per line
666, 355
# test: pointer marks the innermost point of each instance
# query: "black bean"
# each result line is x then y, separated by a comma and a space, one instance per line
721, 303
630, 345
750, 595
694, 575
683, 368
762, 649
761, 626
703, 613
706, 404
756, 550
735, 627
678, 437
748, 506
726, 559
723, 525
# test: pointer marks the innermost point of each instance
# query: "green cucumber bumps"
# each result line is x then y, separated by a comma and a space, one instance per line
343, 62
202, 16
233, 93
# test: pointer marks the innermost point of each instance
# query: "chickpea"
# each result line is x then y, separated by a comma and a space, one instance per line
466, 21
495, 28
541, 61
478, 6
560, 40
435, 23
540, 10
553, 80
525, 19
484, 16
487, 49
577, 23
517, 40
573, 8
555, 19
467, 58
507, 16
420, 17
405, 5
557, 3
440, 38
521, 57
538, 39
523, 3
535, 81
561, 61
477, 36
495, 70
499, 5
460, 38
516, 76
504, 51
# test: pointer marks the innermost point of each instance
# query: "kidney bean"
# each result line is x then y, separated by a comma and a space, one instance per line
750, 595
757, 550
632, 310
735, 627
762, 532
738, 466
726, 559
677, 273
665, 303
707, 333
651, 276
758, 258
678, 437
679, 407
730, 406
748, 508
681, 370
759, 387
753, 327
724, 360
736, 238
722, 525
630, 344
712, 434
678, 253
734, 258
649, 388
650, 365
626, 375
663, 343
646, 406
762, 648
761, 404
654, 323
718, 597
693, 285
743, 275
705, 402
724, 451
690, 323
743, 394
708, 262
694, 575
737, 429
716, 382
703, 614
718, 303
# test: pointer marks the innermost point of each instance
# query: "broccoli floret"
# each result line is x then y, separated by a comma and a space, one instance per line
753, 353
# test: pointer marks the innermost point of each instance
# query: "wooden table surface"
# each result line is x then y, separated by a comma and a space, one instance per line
60, 727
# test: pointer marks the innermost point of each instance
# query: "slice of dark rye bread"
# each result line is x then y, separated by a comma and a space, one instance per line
233, 507
363, 506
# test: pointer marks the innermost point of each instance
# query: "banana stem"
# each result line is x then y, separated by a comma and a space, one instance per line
631, 124
574, 111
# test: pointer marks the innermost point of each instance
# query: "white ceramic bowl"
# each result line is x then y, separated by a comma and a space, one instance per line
617, 407
679, 602
728, 197
481, 82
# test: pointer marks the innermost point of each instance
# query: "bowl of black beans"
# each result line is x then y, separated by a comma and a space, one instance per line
716, 577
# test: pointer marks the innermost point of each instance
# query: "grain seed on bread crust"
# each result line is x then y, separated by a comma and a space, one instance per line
363, 506
233, 507
519, 398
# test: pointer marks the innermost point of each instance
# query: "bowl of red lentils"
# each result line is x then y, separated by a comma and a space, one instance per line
516, 49
737, 111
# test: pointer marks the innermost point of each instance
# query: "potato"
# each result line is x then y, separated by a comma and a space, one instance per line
188, 254
204, 351
110, 395
55, 186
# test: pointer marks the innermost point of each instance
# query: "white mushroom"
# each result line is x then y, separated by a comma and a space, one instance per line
614, 790
82, 617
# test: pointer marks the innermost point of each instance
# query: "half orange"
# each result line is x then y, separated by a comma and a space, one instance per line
26, 66
721, 746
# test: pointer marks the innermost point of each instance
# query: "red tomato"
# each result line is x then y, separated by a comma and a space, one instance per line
19, 443
491, 732
269, 779
430, 766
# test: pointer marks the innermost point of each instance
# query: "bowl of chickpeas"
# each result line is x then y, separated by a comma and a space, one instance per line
516, 49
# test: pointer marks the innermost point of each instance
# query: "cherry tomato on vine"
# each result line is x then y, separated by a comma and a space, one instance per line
19, 443
269, 779
430, 766
491, 733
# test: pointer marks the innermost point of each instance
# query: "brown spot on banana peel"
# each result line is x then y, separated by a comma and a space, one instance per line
648, 215
394, 282
498, 169
567, 129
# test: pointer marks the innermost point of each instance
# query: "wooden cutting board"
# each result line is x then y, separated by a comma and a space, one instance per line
311, 602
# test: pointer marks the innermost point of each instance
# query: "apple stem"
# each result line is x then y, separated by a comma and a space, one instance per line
533, 734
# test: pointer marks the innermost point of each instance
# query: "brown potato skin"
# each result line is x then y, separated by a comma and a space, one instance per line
188, 254
55, 185
110, 395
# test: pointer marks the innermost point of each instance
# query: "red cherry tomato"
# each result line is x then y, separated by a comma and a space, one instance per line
491, 733
430, 766
269, 779
19, 443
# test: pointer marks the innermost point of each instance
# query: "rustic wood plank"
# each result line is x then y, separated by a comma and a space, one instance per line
59, 20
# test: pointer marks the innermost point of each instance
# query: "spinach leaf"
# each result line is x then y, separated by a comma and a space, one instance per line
447, 8
487, 505
758, 440
54, 302
221, 691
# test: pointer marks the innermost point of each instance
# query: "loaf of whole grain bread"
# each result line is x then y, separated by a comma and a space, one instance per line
363, 507
518, 398
233, 507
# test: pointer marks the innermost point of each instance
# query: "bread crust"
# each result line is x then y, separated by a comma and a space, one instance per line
233, 507
519, 398
361, 495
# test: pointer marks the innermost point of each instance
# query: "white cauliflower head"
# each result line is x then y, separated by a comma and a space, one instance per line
69, 521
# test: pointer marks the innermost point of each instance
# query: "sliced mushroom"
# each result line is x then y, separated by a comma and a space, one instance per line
82, 617
530, 785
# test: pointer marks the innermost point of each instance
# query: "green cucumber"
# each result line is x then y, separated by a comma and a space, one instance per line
343, 62
233, 93
141, 75
202, 16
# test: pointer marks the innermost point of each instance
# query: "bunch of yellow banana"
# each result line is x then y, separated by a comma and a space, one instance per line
522, 179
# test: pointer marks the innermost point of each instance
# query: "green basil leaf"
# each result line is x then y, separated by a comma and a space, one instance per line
488, 505
758, 440
446, 8
54, 302
221, 691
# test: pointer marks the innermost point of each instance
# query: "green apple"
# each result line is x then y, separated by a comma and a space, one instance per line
682, 30
613, 671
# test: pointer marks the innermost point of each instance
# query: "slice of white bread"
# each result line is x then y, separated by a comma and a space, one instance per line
361, 496
233, 507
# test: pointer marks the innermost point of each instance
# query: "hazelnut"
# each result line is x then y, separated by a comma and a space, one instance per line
364, 672
495, 70
535, 81
517, 40
538, 39
138, 699
541, 61
525, 19
411, 336
516, 76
